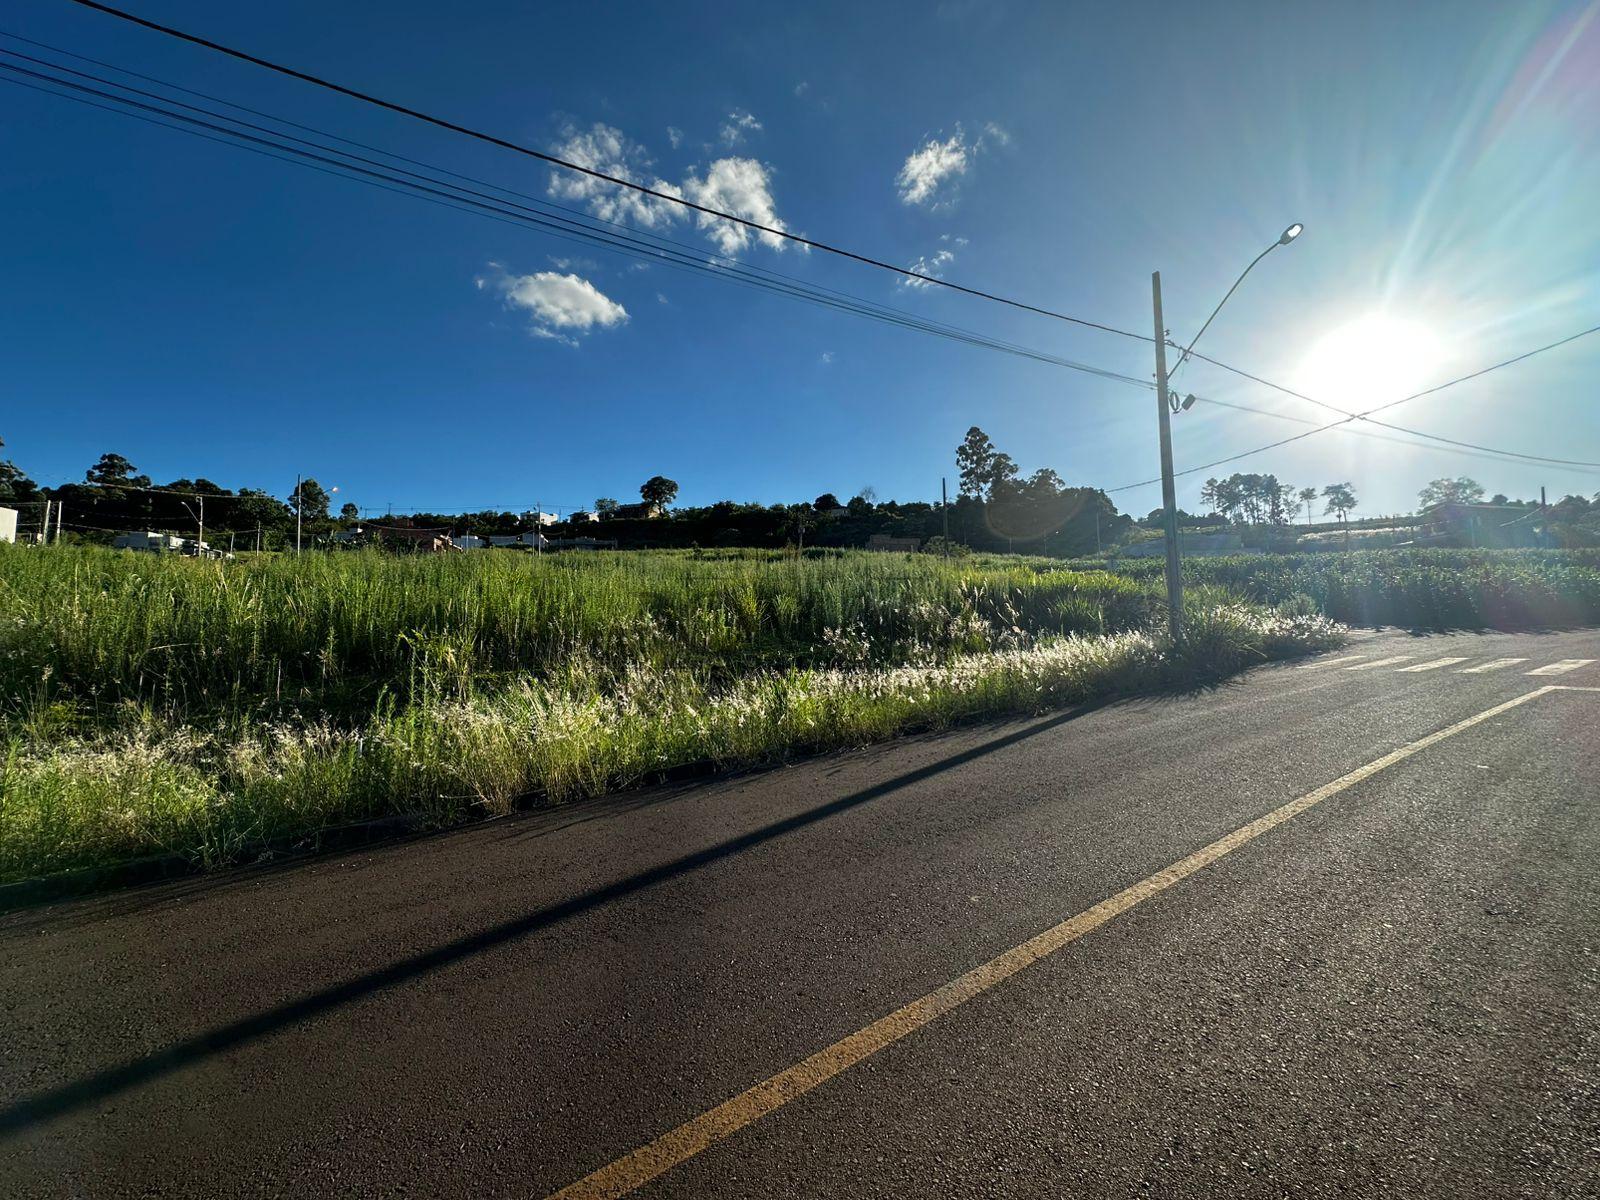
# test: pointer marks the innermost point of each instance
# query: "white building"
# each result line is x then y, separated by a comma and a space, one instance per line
8, 524
540, 518
470, 541
149, 543
582, 516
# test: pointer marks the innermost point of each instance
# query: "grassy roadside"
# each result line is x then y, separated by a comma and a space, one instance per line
150, 783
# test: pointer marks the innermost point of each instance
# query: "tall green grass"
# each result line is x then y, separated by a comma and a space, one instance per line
154, 705
1413, 589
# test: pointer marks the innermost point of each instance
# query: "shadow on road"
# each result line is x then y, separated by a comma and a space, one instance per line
57, 1101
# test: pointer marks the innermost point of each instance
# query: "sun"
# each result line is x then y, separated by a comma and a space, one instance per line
1372, 360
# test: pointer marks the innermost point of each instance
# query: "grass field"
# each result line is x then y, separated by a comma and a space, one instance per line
1412, 589
152, 704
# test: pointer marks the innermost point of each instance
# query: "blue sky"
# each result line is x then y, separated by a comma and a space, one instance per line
210, 312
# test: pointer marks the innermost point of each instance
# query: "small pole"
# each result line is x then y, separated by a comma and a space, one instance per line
60, 508
44, 525
201, 548
1169, 500
944, 508
297, 507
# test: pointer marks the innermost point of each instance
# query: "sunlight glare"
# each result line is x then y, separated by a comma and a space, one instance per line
1372, 360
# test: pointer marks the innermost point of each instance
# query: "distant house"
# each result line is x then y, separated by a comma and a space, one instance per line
468, 541
505, 539
535, 539
8, 524
534, 517
147, 542
581, 543
1493, 525
883, 543
1191, 545
582, 516
636, 512
426, 541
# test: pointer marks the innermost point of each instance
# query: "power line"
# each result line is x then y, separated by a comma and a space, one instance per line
669, 253
773, 231
1367, 415
615, 180
1392, 404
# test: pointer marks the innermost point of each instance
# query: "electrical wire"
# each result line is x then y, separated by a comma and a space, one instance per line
615, 180
346, 167
1391, 404
671, 254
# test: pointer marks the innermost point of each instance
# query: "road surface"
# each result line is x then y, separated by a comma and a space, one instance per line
1330, 930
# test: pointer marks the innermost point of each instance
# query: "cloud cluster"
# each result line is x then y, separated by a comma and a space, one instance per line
560, 307
739, 186
928, 175
738, 124
933, 265
607, 150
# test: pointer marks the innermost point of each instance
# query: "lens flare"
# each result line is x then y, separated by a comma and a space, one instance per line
1372, 360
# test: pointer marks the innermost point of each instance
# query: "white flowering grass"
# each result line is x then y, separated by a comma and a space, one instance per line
149, 786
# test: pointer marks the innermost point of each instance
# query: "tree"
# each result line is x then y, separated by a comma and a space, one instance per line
826, 502
310, 501
115, 471
1460, 490
1002, 471
14, 485
1307, 497
1341, 498
349, 512
659, 491
605, 506
975, 462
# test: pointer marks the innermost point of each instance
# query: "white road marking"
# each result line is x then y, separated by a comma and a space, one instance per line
1562, 667
1381, 662
1493, 665
1331, 662
1434, 665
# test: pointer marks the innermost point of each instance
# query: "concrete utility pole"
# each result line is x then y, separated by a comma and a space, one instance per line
944, 507
60, 508
1169, 499
44, 525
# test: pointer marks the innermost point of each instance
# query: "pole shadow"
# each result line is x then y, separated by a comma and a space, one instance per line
66, 1098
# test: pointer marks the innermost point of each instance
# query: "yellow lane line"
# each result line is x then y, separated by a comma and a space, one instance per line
635, 1169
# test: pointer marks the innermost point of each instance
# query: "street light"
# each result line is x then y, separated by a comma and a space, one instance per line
1166, 405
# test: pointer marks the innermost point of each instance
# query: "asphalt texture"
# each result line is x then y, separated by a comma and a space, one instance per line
1394, 993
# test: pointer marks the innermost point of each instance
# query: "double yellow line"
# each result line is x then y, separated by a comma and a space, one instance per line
634, 1170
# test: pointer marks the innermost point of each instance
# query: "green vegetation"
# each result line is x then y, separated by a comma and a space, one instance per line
1413, 589
152, 703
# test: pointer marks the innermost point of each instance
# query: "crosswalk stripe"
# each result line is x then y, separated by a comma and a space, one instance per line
1494, 665
1381, 662
1434, 665
1562, 667
1331, 662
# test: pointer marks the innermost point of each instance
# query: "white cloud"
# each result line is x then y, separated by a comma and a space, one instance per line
827, 358
738, 124
602, 148
559, 306
933, 265
675, 136
801, 88
929, 173
661, 298
742, 187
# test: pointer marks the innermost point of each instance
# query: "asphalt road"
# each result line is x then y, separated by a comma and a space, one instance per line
1390, 991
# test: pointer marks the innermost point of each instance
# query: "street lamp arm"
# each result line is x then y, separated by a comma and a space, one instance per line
1184, 357
1287, 236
